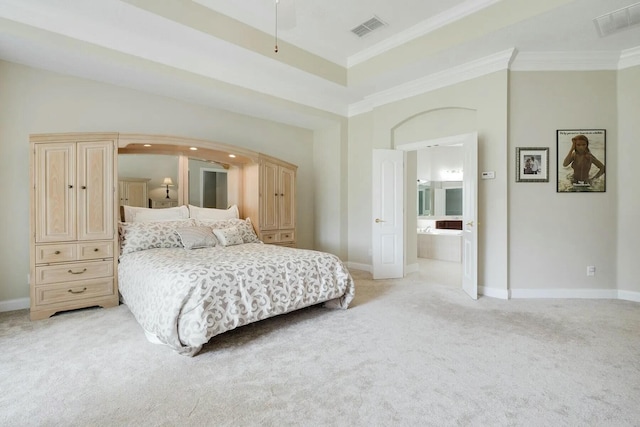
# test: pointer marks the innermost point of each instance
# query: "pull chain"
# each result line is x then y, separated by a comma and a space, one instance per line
276, 30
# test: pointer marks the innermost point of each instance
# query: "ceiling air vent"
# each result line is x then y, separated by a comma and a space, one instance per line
368, 26
618, 20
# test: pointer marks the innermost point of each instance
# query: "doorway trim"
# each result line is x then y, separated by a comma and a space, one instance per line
448, 140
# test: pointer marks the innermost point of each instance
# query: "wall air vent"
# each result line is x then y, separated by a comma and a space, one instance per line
618, 20
368, 26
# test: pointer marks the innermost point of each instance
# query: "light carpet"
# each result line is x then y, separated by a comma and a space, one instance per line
409, 352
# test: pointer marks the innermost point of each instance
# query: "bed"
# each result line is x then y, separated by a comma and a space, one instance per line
189, 280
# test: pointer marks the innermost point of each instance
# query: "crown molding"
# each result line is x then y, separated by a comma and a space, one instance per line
565, 61
470, 70
447, 17
629, 58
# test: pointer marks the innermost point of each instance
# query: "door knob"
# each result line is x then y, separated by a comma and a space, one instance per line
378, 220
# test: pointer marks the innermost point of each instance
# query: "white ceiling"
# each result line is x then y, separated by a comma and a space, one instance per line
192, 50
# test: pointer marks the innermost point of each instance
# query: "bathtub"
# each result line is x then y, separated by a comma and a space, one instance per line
440, 244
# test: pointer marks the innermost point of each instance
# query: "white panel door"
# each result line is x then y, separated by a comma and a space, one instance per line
470, 216
387, 234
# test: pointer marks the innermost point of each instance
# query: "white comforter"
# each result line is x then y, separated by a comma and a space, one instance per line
183, 297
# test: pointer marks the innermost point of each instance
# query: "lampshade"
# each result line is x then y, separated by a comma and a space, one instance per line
167, 181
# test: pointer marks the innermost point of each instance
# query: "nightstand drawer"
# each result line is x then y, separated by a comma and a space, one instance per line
68, 292
73, 272
95, 250
56, 253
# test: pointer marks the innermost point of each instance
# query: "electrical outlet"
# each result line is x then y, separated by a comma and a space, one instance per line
591, 270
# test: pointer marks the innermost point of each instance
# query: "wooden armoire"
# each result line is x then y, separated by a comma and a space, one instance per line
73, 222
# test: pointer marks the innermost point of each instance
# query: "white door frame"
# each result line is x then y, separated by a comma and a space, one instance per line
469, 261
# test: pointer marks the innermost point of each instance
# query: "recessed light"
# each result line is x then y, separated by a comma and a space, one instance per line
233, 156
147, 145
193, 148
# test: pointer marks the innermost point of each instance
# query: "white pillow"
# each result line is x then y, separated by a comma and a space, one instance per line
213, 214
134, 214
196, 237
244, 226
140, 236
228, 236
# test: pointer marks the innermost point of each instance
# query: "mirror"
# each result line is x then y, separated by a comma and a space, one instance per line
440, 175
207, 181
207, 184
152, 168
439, 198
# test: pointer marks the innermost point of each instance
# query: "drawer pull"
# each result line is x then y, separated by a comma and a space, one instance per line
77, 292
57, 252
77, 272
96, 250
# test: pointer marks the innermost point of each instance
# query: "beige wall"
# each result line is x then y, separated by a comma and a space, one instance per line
530, 237
553, 237
36, 101
628, 232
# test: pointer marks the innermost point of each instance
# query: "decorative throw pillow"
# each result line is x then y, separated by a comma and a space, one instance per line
196, 237
244, 226
136, 214
139, 236
228, 236
212, 213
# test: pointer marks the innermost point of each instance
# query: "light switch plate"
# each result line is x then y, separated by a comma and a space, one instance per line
488, 175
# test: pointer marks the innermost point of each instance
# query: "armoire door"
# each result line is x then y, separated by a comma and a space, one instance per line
270, 197
55, 192
287, 198
137, 194
95, 190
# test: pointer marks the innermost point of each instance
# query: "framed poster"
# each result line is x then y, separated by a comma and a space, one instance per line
581, 160
532, 164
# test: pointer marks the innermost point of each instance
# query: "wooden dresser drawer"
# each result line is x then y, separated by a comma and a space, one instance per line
95, 250
67, 292
286, 236
269, 237
56, 253
48, 254
283, 237
73, 272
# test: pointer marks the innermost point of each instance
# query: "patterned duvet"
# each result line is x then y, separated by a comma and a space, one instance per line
182, 297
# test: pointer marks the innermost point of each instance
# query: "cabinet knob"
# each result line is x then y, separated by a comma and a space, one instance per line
84, 187
70, 186
57, 252
96, 250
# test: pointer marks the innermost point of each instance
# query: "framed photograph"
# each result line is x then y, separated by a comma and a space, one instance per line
532, 164
581, 160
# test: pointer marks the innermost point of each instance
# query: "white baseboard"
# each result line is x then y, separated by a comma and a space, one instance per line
358, 266
629, 296
493, 292
565, 293
14, 304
